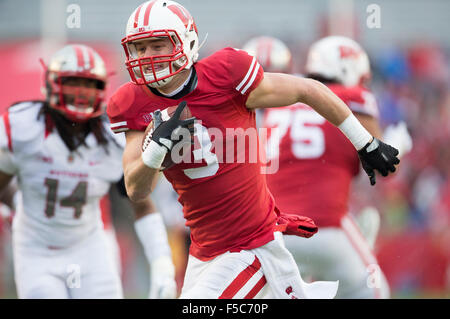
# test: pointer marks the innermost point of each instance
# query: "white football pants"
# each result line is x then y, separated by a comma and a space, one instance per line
268, 271
86, 270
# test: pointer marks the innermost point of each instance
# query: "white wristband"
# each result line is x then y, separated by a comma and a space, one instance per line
355, 132
152, 234
153, 155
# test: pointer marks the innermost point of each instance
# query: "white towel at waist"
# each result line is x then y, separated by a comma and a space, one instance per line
283, 276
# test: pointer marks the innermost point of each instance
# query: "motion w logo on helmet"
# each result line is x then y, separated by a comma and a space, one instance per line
348, 52
184, 16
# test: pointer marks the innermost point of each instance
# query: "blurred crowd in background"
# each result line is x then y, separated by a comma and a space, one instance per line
412, 84
411, 81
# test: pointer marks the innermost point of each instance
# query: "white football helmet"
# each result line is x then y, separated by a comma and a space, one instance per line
157, 19
76, 103
271, 53
338, 58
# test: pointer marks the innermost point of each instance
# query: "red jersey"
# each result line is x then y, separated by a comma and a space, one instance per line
227, 206
316, 161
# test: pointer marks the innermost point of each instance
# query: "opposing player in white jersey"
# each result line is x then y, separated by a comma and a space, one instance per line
66, 158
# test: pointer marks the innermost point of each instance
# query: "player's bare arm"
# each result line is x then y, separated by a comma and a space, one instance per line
138, 176
148, 149
277, 89
281, 89
143, 208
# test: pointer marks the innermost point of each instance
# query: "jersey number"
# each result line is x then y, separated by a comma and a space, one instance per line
76, 200
308, 139
204, 152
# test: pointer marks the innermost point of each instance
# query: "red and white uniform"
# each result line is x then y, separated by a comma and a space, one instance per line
319, 154
316, 166
232, 219
227, 206
57, 230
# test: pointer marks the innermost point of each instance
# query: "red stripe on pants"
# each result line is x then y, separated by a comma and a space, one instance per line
8, 130
259, 285
241, 280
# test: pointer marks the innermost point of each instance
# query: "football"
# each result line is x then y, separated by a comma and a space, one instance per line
167, 114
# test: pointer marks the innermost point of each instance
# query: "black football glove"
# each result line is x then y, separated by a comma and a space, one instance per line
379, 156
162, 133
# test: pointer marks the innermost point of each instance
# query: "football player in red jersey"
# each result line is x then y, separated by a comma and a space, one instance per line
325, 162
236, 248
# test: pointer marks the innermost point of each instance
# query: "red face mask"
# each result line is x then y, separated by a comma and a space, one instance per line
146, 70
77, 102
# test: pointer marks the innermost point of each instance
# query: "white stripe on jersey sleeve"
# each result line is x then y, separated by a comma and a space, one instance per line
247, 75
252, 79
113, 125
119, 127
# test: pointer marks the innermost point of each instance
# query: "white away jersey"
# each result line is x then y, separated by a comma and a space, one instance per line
61, 190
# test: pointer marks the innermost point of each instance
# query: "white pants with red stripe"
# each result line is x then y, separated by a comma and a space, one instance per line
340, 253
268, 271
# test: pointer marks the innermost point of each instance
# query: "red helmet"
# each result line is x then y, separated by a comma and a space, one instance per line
160, 19
75, 102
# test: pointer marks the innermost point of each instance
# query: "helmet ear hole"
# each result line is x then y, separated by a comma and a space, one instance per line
192, 44
100, 85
